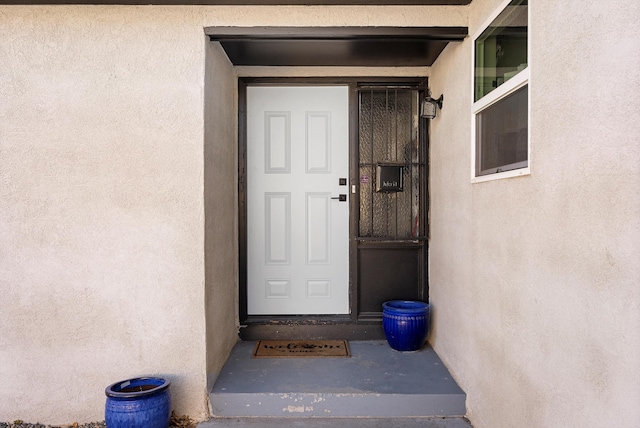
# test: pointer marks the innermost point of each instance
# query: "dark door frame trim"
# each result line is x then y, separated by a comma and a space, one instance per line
325, 326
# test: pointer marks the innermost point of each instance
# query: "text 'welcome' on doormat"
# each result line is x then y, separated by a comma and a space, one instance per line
301, 348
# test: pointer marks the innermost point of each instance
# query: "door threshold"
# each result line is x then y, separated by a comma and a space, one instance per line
310, 328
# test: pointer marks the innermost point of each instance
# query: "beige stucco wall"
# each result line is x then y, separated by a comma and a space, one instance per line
535, 280
113, 213
117, 245
101, 208
221, 208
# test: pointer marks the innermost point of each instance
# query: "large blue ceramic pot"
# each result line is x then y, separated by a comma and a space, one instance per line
142, 402
405, 324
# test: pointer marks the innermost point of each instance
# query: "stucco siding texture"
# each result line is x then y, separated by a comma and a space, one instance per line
101, 208
107, 120
108, 127
221, 209
534, 280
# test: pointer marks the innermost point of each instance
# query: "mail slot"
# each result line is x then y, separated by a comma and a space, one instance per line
389, 178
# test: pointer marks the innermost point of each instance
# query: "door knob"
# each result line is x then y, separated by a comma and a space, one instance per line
341, 198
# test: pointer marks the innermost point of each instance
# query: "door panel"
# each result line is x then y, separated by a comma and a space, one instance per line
297, 228
392, 271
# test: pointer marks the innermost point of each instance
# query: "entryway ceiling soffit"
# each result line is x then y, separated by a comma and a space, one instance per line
335, 46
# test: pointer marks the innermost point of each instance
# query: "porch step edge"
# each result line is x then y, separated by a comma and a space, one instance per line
337, 405
341, 422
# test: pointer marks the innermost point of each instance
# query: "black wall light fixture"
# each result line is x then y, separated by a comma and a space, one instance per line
428, 109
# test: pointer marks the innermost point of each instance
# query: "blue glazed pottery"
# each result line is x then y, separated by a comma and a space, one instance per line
142, 402
405, 324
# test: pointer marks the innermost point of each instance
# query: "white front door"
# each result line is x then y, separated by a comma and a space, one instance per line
297, 227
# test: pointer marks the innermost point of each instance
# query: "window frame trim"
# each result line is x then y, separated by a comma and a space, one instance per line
518, 81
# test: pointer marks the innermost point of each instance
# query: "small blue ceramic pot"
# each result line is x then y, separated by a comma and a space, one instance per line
405, 324
138, 403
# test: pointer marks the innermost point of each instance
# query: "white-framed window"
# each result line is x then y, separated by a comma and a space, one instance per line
500, 114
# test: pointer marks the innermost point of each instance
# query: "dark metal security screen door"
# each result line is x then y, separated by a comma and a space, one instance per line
392, 199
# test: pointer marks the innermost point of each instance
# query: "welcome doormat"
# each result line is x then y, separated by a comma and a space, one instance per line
301, 348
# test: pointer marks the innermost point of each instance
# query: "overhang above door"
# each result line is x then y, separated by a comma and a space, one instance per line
335, 46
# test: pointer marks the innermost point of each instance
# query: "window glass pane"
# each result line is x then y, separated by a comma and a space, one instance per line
501, 50
388, 133
501, 134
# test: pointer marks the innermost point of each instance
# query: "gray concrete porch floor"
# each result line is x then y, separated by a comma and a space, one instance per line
375, 387
248, 422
